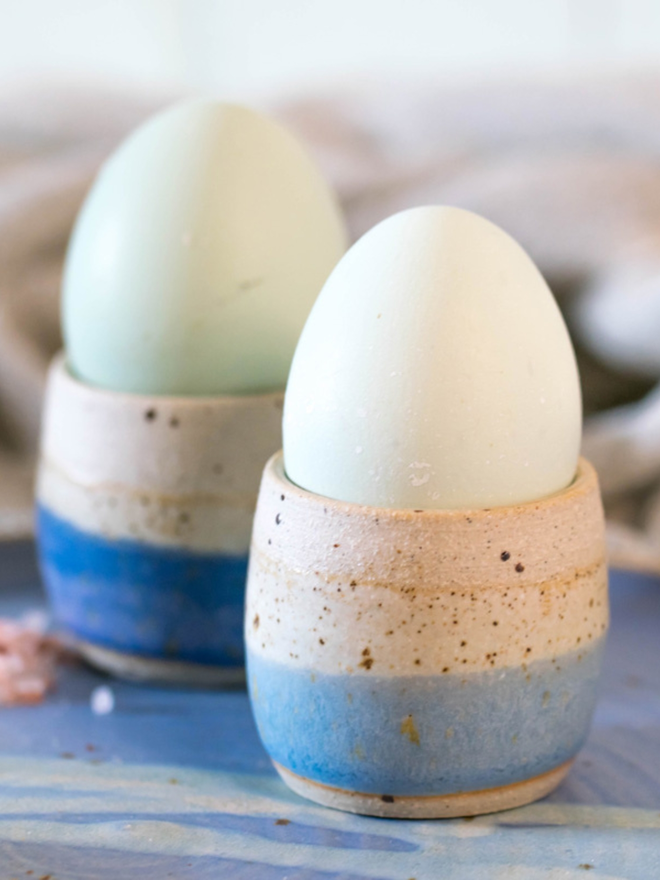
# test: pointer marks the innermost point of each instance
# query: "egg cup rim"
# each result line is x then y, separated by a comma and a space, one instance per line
62, 370
583, 483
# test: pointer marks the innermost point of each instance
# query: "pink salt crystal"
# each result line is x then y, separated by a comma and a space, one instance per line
28, 658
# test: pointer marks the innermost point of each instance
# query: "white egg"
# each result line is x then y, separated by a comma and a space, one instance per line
435, 371
197, 256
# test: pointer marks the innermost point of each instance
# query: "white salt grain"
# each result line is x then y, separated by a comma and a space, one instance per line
102, 700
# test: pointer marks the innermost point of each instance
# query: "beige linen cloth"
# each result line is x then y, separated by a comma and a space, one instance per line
570, 169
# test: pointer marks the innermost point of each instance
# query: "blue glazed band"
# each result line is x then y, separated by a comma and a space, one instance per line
143, 599
425, 735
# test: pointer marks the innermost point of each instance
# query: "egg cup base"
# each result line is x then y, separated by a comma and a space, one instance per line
448, 806
132, 667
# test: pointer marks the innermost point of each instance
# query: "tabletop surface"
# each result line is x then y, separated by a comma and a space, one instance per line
175, 783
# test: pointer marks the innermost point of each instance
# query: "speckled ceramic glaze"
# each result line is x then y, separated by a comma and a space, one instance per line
425, 663
144, 513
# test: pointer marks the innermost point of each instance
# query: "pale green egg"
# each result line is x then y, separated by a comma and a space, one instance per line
435, 371
197, 256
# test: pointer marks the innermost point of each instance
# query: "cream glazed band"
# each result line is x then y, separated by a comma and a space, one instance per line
425, 663
144, 514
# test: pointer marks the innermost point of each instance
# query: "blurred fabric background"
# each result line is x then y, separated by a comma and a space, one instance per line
544, 117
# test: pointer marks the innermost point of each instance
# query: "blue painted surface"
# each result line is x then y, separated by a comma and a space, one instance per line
471, 732
176, 783
141, 598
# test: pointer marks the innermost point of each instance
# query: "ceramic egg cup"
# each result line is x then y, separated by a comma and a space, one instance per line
423, 664
144, 514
